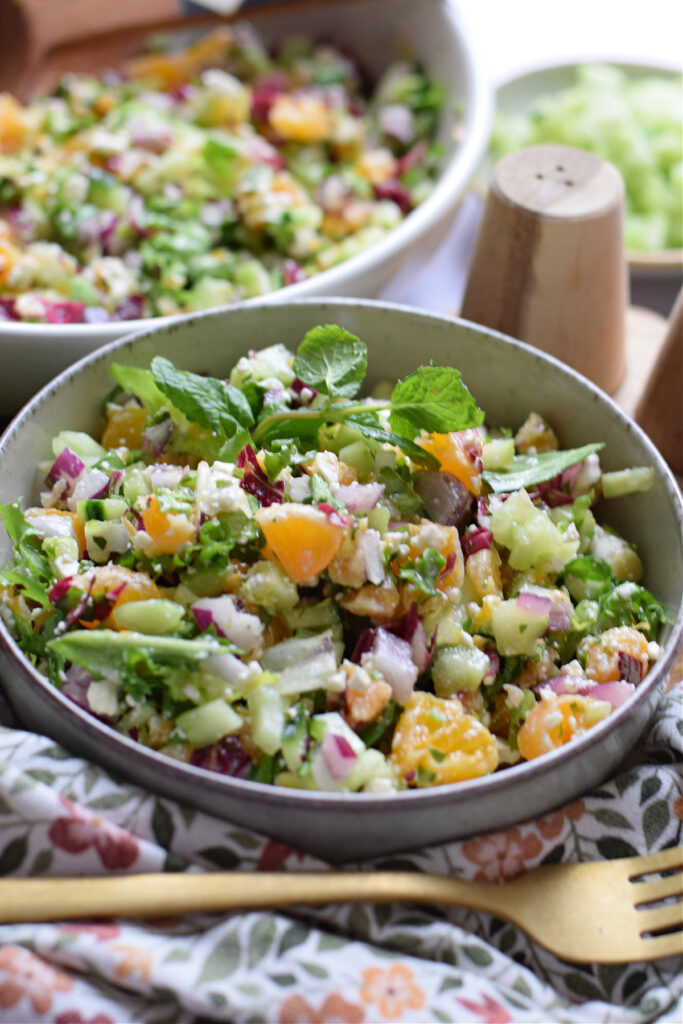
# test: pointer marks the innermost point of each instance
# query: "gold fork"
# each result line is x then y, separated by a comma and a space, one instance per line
586, 913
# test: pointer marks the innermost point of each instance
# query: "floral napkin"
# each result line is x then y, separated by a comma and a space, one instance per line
60, 815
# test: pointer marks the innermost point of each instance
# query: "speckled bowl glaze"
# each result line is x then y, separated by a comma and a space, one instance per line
378, 32
508, 379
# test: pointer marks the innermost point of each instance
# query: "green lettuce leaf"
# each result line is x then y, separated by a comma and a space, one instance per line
527, 470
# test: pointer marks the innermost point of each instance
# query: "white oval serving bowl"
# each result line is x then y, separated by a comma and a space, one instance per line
377, 31
508, 380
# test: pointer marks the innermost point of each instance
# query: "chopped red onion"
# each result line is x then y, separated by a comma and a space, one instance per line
68, 467
156, 437
292, 272
397, 193
630, 668
333, 194
75, 686
58, 591
615, 692
95, 315
129, 308
8, 309
567, 683
359, 498
493, 669
412, 157
392, 657
396, 120
264, 93
535, 604
66, 311
240, 627
476, 539
263, 152
559, 618
335, 517
370, 546
215, 212
338, 755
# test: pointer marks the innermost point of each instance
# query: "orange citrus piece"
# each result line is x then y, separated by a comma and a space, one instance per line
169, 532
459, 454
602, 658
124, 427
555, 721
436, 742
301, 537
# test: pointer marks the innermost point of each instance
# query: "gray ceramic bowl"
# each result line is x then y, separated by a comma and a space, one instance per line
378, 32
508, 379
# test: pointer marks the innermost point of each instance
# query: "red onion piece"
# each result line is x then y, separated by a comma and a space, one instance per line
156, 437
476, 539
493, 669
630, 668
57, 592
8, 309
264, 93
129, 308
338, 755
396, 192
204, 619
559, 618
68, 467
242, 628
412, 157
615, 692
292, 272
66, 311
396, 120
535, 604
75, 686
359, 498
392, 657
580, 685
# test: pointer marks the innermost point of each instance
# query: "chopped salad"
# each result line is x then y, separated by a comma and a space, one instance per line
204, 177
271, 577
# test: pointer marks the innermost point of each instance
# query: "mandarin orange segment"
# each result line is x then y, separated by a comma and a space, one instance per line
168, 532
557, 720
124, 427
302, 538
362, 706
300, 118
605, 653
436, 742
13, 129
459, 454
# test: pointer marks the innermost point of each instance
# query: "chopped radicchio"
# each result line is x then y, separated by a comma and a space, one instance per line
227, 757
255, 481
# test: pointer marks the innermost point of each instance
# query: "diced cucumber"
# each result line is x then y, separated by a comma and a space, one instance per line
103, 509
293, 652
458, 668
379, 518
322, 615
516, 630
80, 444
83, 290
369, 763
295, 742
208, 723
273, 361
531, 536
252, 277
269, 587
336, 436
105, 538
358, 455
267, 710
498, 453
627, 481
155, 616
134, 484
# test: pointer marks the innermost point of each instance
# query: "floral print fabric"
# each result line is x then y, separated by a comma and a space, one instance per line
60, 815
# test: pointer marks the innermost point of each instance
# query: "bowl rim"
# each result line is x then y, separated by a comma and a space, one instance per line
454, 179
283, 797
647, 261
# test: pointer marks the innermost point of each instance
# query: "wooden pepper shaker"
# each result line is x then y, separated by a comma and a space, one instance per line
549, 265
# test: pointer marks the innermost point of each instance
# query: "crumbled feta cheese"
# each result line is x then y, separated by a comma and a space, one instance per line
217, 490
102, 697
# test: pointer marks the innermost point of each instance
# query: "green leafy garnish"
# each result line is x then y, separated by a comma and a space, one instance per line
424, 571
630, 605
29, 567
527, 470
331, 360
434, 399
211, 403
594, 574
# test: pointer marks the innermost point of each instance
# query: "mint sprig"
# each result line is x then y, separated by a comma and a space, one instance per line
331, 360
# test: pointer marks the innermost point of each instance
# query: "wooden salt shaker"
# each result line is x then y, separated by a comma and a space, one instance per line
549, 265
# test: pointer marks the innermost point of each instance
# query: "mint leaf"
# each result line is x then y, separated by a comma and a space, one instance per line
434, 399
29, 567
331, 360
400, 493
527, 470
424, 571
369, 427
211, 403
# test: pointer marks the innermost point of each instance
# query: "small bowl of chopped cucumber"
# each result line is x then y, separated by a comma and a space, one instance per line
626, 113
355, 576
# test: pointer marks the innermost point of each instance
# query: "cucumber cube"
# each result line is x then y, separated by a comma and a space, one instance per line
458, 668
154, 617
498, 453
267, 719
515, 630
627, 481
208, 723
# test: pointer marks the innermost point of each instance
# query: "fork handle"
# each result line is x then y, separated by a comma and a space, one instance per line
163, 895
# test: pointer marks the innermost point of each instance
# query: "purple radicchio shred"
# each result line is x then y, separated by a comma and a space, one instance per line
59, 590
255, 481
476, 539
66, 311
227, 757
630, 668
398, 194
296, 387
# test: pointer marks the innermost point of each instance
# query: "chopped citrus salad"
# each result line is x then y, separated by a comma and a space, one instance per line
270, 577
204, 177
